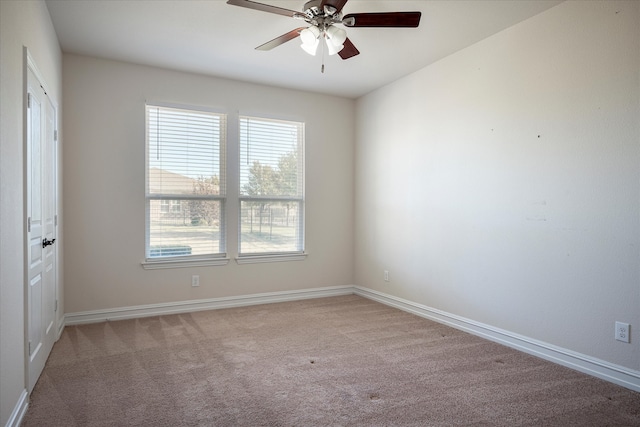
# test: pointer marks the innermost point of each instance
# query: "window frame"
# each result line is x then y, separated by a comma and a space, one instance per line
219, 258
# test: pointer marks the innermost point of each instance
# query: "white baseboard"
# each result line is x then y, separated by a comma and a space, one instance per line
589, 365
204, 304
20, 409
620, 375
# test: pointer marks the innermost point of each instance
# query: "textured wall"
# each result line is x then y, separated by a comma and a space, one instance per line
502, 183
104, 186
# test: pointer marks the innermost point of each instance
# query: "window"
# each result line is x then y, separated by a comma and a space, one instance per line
271, 187
167, 206
185, 184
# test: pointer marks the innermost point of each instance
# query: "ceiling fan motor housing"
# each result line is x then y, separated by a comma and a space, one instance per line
316, 14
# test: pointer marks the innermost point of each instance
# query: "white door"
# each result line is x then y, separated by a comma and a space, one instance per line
41, 227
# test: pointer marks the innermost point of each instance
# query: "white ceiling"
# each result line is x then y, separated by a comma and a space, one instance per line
213, 38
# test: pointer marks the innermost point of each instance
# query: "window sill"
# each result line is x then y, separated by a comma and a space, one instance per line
254, 259
183, 263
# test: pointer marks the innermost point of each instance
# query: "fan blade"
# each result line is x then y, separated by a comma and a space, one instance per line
384, 19
280, 40
338, 4
263, 7
348, 50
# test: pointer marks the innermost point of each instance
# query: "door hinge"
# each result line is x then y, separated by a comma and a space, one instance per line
28, 100
55, 135
29, 348
56, 308
55, 220
29, 224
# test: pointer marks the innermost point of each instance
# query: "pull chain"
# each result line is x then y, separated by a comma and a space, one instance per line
323, 35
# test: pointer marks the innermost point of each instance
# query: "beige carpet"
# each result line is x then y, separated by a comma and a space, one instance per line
343, 361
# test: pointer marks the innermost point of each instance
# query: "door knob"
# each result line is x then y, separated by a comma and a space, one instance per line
46, 242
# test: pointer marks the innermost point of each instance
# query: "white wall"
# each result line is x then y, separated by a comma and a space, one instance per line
104, 186
502, 183
22, 23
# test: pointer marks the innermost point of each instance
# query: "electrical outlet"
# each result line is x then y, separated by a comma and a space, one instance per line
622, 331
386, 275
195, 280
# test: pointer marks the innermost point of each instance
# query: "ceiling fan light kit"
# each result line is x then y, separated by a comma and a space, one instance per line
322, 15
310, 39
334, 38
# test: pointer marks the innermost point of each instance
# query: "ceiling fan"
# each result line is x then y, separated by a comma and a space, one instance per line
322, 15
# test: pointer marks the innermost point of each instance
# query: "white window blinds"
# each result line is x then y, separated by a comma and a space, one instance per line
185, 182
271, 186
